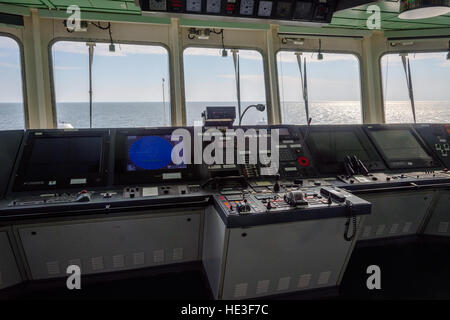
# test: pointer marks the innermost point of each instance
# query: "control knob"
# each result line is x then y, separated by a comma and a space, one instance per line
276, 187
243, 207
294, 198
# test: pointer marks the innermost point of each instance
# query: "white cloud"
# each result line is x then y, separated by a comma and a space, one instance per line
395, 58
217, 52
311, 57
102, 49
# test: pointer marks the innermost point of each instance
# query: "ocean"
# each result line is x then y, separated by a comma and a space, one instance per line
152, 114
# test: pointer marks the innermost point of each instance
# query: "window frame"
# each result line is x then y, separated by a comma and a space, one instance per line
268, 104
23, 77
398, 52
147, 43
361, 76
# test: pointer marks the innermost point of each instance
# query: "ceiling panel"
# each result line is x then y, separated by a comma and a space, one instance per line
349, 18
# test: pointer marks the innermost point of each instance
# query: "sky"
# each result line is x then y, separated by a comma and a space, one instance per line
135, 73
335, 78
431, 77
10, 71
210, 77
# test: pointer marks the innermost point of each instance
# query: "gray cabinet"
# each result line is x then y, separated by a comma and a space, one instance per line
111, 245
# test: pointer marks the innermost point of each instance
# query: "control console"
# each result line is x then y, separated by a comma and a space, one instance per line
248, 207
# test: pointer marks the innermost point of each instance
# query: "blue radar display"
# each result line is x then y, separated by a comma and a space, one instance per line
151, 153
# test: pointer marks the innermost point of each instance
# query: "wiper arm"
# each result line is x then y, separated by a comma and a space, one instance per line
304, 80
237, 73
407, 68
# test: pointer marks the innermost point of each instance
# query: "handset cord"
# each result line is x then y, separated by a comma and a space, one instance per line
351, 216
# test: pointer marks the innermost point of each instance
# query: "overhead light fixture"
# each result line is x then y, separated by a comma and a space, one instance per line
422, 9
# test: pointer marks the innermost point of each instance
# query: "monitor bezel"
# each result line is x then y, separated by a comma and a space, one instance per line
410, 163
97, 179
376, 161
124, 177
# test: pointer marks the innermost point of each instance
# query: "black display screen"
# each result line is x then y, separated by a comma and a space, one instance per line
57, 157
330, 147
61, 160
401, 148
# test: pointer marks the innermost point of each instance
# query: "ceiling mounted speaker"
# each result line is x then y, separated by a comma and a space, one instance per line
422, 9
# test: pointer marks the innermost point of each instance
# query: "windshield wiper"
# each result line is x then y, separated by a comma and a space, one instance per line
304, 80
407, 68
237, 73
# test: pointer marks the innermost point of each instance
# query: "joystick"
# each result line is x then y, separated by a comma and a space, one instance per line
276, 187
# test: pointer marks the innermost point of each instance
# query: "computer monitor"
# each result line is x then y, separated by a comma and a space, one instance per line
401, 147
148, 156
62, 159
153, 152
330, 145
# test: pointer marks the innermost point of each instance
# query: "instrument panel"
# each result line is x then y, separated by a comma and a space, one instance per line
55, 167
320, 11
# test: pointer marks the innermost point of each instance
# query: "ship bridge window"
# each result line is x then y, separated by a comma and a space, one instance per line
210, 80
12, 114
328, 90
416, 85
130, 86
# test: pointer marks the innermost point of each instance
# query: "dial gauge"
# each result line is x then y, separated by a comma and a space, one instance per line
213, 6
265, 8
194, 5
247, 7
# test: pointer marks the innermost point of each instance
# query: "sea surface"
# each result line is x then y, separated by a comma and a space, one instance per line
149, 114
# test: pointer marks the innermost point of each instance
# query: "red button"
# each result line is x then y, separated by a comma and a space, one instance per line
303, 161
